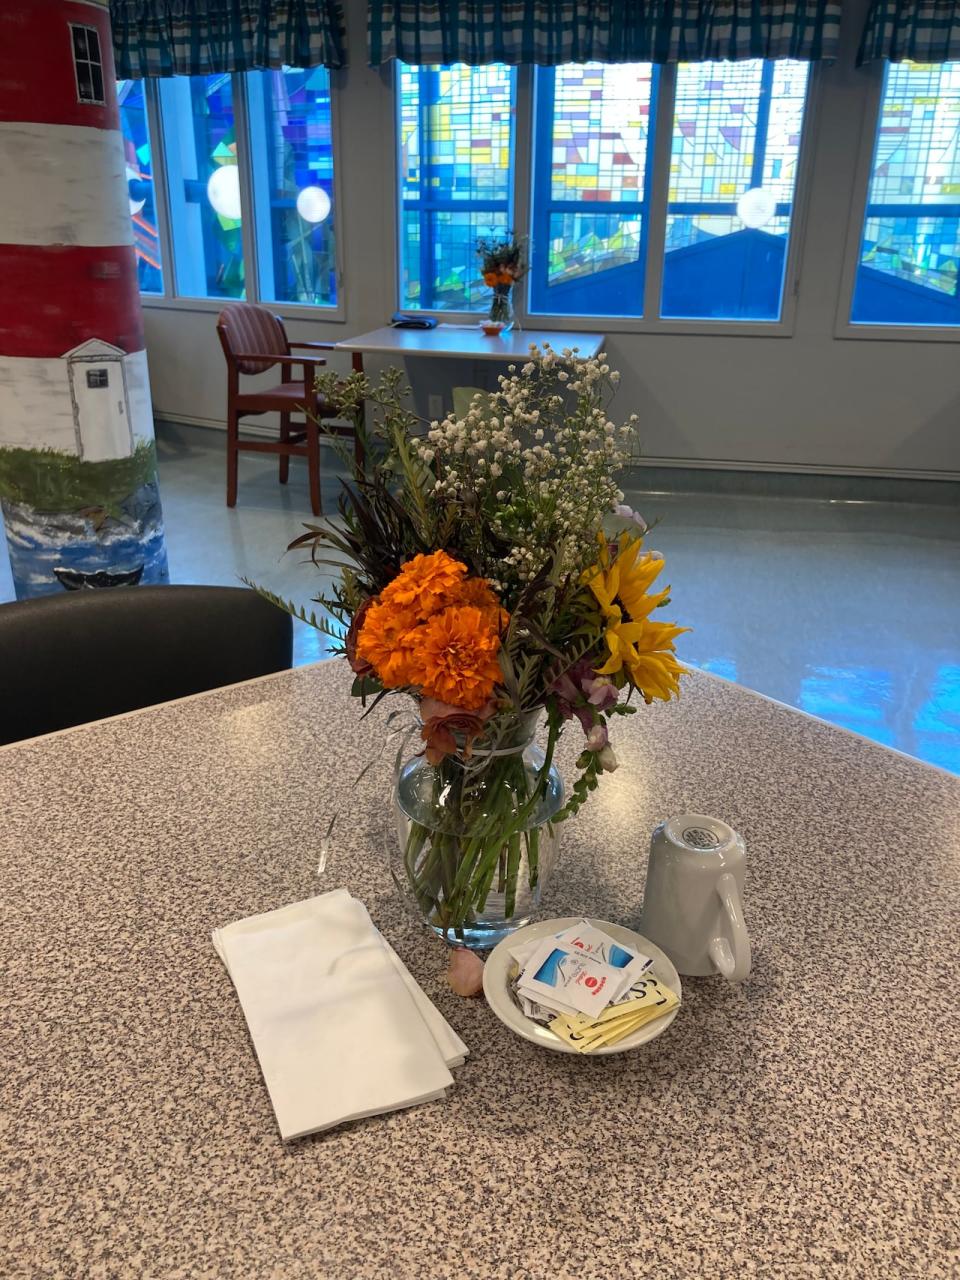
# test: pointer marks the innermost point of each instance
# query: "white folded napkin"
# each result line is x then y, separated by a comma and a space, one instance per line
340, 1028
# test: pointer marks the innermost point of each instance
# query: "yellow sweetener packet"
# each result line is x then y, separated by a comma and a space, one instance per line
585, 1038
651, 994
615, 1031
577, 1037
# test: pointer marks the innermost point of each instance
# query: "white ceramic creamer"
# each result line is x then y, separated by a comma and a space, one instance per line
693, 903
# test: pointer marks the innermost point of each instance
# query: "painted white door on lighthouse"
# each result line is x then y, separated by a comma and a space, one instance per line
98, 388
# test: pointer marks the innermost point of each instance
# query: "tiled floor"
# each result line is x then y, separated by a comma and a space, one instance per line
848, 610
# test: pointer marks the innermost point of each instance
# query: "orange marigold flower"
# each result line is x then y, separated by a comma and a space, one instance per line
479, 593
385, 641
423, 584
490, 277
455, 657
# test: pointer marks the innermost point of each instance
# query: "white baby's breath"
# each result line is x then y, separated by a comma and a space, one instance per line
540, 454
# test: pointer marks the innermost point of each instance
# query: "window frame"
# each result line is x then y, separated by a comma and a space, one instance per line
659, 156
844, 326
159, 177
783, 326
444, 313
541, 173
295, 310
200, 301
171, 299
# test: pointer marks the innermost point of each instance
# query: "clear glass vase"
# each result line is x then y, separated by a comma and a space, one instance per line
475, 839
501, 308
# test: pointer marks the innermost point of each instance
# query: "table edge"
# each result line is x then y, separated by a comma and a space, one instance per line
365, 348
308, 666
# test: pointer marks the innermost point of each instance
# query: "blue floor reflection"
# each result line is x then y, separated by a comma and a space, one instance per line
937, 721
850, 612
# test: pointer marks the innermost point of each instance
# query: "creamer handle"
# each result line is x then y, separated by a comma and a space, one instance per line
731, 957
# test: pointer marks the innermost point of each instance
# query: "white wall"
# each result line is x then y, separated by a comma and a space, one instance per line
807, 401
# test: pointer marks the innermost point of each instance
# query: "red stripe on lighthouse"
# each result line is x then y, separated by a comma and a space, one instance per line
37, 77
67, 294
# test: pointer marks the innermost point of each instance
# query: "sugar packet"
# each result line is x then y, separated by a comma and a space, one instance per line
591, 941
559, 977
596, 944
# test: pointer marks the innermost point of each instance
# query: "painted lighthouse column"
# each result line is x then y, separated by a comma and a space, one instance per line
78, 470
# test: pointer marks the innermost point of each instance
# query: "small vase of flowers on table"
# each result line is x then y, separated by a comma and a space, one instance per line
503, 265
490, 572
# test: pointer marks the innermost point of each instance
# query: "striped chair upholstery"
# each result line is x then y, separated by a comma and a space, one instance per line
248, 328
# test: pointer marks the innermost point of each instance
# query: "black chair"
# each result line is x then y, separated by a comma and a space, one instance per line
68, 659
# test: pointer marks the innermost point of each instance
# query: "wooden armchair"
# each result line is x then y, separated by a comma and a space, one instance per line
254, 340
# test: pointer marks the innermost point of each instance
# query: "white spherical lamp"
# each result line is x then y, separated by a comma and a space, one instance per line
757, 207
313, 204
223, 191
135, 205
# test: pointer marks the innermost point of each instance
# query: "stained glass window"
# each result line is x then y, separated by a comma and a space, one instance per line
455, 127
910, 251
591, 189
733, 170
139, 165
203, 184
291, 148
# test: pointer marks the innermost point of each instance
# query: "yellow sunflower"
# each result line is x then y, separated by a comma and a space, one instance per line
642, 650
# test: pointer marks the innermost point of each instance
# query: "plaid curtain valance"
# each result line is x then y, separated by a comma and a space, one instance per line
549, 32
199, 37
918, 30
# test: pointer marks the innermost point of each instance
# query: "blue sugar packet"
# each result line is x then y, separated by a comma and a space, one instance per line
563, 979
593, 942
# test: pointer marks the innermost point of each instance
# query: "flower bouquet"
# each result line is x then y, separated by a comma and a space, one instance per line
503, 265
489, 571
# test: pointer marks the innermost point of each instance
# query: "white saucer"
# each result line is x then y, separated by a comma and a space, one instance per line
496, 985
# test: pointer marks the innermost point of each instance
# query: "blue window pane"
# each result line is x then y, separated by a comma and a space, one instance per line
203, 182
140, 192
455, 127
910, 251
291, 146
733, 169
591, 189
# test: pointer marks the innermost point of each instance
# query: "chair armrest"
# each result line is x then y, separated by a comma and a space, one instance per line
263, 357
320, 346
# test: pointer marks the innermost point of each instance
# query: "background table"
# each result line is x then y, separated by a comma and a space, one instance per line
466, 342
802, 1125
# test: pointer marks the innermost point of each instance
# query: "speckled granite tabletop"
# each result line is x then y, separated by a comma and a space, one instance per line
804, 1124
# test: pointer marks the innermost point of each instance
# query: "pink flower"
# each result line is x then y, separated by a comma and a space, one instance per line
597, 738
628, 513
601, 693
569, 691
582, 693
